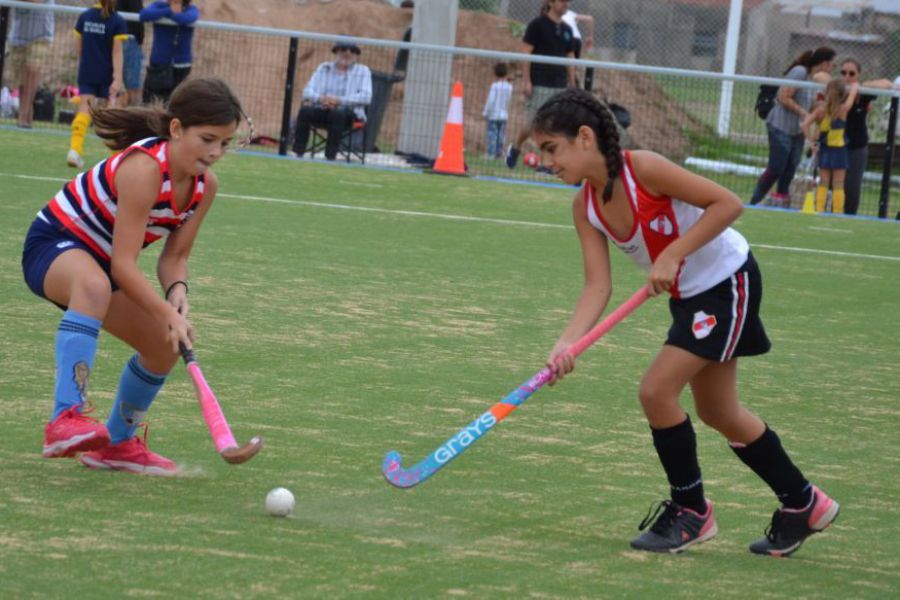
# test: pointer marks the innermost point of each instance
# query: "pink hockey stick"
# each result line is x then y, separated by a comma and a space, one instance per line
226, 445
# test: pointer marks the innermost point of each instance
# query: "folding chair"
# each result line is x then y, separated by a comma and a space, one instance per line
352, 144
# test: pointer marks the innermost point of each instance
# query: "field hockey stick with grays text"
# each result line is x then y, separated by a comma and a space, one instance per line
392, 466
226, 445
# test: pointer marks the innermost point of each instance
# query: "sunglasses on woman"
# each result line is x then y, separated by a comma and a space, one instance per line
848, 73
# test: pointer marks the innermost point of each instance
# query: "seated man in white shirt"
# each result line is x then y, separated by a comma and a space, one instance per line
335, 97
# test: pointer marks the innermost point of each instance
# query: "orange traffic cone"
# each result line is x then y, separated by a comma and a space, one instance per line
450, 158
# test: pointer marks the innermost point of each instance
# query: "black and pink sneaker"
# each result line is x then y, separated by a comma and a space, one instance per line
675, 528
790, 527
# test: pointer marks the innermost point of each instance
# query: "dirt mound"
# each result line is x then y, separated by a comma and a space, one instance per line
257, 68
362, 18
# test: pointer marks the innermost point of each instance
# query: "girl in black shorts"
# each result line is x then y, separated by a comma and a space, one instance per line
676, 225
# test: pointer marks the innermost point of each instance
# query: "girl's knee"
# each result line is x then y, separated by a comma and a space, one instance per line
645, 393
727, 419
156, 353
94, 291
714, 417
651, 395
159, 360
660, 408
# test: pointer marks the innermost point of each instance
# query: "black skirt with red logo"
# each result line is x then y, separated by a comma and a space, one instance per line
723, 322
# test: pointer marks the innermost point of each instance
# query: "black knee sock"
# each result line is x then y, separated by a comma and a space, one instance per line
677, 450
767, 458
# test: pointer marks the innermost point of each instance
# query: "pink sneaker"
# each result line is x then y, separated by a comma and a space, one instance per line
131, 455
72, 432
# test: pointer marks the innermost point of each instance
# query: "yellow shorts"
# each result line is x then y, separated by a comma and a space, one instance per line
32, 55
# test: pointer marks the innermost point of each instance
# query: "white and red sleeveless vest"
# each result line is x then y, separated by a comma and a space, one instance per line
659, 221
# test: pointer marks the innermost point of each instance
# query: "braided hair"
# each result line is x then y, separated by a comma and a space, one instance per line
568, 110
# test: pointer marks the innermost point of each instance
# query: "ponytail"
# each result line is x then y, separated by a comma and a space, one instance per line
835, 94
196, 101
811, 58
121, 127
803, 60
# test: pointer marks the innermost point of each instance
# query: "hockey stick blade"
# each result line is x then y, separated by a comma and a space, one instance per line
237, 455
392, 465
219, 430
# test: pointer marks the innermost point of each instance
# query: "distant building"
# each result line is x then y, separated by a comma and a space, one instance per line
865, 29
691, 33
687, 34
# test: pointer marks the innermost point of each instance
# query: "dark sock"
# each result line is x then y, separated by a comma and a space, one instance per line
767, 458
677, 450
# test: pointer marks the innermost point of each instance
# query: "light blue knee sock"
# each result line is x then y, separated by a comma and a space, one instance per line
137, 389
76, 346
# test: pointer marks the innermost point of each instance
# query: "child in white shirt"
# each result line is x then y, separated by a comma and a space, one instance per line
495, 110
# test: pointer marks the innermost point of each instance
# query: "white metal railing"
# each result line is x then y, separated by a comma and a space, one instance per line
460, 51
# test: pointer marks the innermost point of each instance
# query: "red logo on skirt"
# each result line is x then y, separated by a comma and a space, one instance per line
703, 324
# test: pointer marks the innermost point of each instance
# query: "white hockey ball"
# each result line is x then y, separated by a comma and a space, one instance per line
280, 502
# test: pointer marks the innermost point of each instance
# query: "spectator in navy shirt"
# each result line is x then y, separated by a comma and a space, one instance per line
100, 32
170, 56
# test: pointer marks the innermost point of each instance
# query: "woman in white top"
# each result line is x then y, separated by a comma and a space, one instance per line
572, 18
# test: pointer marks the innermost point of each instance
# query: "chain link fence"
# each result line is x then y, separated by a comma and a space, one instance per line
672, 111
690, 34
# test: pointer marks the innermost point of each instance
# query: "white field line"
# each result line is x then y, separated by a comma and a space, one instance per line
408, 213
432, 215
827, 252
35, 177
830, 230
360, 183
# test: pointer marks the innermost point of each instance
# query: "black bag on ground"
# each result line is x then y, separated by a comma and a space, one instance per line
160, 78
765, 100
44, 108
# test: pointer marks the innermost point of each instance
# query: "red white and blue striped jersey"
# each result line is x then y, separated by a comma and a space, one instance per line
659, 221
86, 206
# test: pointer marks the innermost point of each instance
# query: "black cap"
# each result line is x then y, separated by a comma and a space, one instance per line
346, 46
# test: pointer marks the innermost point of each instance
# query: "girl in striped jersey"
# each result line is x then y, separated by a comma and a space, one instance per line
676, 225
82, 250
